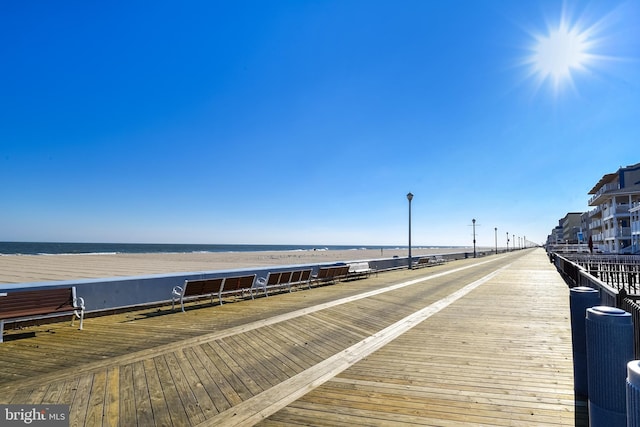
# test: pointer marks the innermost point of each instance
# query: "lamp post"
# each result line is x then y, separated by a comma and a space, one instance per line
507, 241
473, 221
409, 198
496, 232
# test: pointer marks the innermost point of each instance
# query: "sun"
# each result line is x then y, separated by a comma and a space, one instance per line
565, 50
561, 53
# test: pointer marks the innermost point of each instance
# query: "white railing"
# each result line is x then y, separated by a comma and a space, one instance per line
617, 232
604, 189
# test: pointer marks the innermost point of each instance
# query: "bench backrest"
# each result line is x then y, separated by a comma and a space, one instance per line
37, 302
202, 286
273, 279
333, 271
238, 282
305, 276
323, 272
342, 271
358, 266
295, 276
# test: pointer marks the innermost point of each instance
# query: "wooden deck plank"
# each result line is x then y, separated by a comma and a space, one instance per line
79, 405
112, 398
194, 379
177, 411
276, 351
53, 393
257, 356
222, 392
298, 345
69, 390
95, 405
144, 411
207, 389
127, 406
244, 384
244, 361
161, 415
183, 389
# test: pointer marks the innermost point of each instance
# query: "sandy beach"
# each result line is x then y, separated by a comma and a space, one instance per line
44, 268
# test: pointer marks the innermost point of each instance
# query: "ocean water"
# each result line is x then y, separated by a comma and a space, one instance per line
52, 248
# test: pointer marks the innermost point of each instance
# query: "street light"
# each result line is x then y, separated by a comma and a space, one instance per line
507, 241
496, 232
473, 221
409, 198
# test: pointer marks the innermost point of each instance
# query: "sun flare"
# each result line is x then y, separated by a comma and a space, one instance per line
560, 53
565, 50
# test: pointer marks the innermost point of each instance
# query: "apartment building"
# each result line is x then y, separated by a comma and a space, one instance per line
571, 231
614, 221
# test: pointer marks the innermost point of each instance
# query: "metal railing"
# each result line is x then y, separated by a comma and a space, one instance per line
618, 293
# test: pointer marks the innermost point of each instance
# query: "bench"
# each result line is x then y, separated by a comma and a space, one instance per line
359, 269
284, 280
330, 274
202, 288
439, 259
429, 261
196, 289
237, 285
40, 304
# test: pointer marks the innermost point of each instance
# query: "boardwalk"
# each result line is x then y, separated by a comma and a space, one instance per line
473, 342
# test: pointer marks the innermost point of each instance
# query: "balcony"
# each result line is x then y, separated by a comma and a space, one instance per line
596, 211
605, 188
618, 232
620, 209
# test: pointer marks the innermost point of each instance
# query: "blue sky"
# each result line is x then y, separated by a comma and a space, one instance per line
308, 122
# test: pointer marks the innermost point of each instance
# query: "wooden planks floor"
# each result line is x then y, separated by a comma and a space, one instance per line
473, 342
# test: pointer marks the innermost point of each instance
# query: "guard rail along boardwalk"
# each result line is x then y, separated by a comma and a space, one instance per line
40, 304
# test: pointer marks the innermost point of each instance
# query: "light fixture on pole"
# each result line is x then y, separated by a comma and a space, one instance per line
496, 231
473, 221
410, 198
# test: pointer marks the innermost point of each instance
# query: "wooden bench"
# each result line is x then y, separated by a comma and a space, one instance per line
237, 285
40, 304
359, 269
439, 259
330, 274
196, 289
429, 261
219, 286
284, 280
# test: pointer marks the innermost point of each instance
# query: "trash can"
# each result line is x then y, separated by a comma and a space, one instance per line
633, 393
609, 332
580, 299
